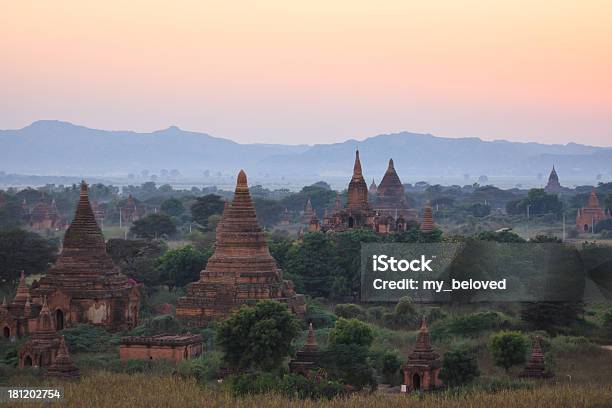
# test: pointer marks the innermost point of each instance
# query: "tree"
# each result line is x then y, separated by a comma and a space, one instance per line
539, 202
206, 206
503, 236
390, 366
173, 207
313, 263
459, 367
257, 336
508, 348
347, 251
479, 210
348, 354
136, 258
23, 250
551, 316
178, 267
604, 225
153, 226
10, 213
268, 211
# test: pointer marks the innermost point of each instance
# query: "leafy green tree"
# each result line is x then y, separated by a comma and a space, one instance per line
508, 348
179, 267
603, 225
551, 316
268, 211
539, 202
313, 262
479, 210
348, 353
390, 366
23, 250
10, 213
257, 336
206, 206
153, 226
173, 207
459, 367
136, 258
347, 250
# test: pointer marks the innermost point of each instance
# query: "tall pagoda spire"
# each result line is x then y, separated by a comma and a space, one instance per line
358, 189
23, 292
84, 232
535, 367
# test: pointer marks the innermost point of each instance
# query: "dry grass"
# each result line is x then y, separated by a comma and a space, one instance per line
135, 391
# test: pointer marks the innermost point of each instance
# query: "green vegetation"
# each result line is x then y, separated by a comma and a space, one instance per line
508, 348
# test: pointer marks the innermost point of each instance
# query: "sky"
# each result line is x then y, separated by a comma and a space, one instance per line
317, 71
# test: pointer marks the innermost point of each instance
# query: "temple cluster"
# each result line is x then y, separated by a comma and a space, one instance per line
389, 212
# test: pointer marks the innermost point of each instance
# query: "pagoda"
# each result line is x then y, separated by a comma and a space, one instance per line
62, 367
16, 316
306, 358
240, 271
84, 285
285, 219
587, 217
553, 185
391, 197
308, 212
427, 224
373, 187
535, 367
41, 348
422, 370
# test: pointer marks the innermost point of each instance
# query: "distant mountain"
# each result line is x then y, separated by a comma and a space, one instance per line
61, 148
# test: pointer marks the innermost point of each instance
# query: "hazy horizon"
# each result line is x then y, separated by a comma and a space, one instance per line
317, 72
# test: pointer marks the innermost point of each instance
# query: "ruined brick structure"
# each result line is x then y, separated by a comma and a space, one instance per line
173, 348
588, 217
553, 186
535, 367
18, 316
63, 367
308, 212
43, 343
45, 216
240, 271
421, 371
306, 358
84, 285
130, 211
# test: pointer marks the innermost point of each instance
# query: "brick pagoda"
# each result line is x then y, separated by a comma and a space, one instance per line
587, 217
240, 271
41, 348
535, 367
423, 367
63, 367
427, 224
306, 358
84, 285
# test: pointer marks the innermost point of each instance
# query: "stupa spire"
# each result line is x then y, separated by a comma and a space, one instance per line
63, 367
428, 223
357, 167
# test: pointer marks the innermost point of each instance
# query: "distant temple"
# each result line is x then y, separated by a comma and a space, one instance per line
390, 211
588, 217
421, 371
84, 285
553, 185
43, 216
173, 348
373, 188
240, 271
535, 367
427, 224
130, 210
306, 358
308, 212
285, 219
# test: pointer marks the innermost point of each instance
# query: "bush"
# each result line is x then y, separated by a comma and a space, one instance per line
459, 367
572, 344
390, 366
319, 316
288, 385
350, 311
471, 325
508, 348
205, 368
85, 338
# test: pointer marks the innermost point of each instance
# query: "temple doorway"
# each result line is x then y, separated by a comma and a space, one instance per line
59, 319
586, 228
27, 362
6, 332
416, 382
351, 222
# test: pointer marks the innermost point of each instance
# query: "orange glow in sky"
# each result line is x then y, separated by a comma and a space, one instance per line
313, 71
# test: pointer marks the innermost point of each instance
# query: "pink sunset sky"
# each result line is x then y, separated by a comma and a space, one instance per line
313, 71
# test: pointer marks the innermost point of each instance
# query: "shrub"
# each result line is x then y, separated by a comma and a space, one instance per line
319, 316
205, 368
571, 344
390, 366
350, 311
85, 337
508, 348
459, 367
470, 325
288, 385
